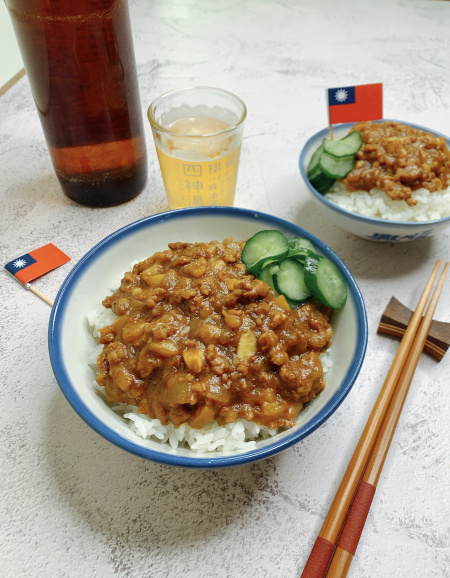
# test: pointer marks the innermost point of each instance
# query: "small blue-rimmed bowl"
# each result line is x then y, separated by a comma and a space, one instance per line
360, 225
71, 343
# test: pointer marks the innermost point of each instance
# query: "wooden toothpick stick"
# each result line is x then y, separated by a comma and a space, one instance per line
331, 132
39, 294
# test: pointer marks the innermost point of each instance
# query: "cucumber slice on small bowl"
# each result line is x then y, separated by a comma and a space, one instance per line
325, 281
262, 247
334, 167
289, 280
314, 162
321, 182
345, 147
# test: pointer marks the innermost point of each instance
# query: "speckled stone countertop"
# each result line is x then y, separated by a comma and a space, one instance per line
73, 505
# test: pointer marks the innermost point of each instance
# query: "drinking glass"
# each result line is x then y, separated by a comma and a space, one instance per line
198, 136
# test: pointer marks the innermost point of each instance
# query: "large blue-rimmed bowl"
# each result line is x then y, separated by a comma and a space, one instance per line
367, 227
71, 343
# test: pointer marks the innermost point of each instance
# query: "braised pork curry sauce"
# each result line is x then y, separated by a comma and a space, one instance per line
198, 339
398, 159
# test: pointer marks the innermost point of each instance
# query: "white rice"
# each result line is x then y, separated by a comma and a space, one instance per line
377, 204
237, 436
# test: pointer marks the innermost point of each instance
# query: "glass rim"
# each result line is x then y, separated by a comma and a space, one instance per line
155, 124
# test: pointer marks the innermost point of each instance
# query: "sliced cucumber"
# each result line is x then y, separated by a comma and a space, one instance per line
336, 168
332, 160
279, 263
314, 162
325, 281
262, 247
266, 274
321, 182
347, 146
289, 280
299, 248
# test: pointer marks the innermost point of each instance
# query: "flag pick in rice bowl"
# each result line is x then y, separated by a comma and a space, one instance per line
355, 103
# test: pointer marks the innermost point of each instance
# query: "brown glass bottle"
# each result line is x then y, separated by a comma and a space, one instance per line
79, 60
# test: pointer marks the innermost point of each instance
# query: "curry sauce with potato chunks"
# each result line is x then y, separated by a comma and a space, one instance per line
197, 339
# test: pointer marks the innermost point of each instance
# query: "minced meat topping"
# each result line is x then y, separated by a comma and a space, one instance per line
399, 159
198, 339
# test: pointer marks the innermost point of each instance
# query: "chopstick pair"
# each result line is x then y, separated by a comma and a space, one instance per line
348, 512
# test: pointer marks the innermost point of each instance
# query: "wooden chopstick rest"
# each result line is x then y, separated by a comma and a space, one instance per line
395, 319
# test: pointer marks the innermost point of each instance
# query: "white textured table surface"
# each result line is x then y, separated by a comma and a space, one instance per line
74, 505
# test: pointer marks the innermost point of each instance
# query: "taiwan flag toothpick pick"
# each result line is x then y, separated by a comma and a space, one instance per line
36, 263
355, 103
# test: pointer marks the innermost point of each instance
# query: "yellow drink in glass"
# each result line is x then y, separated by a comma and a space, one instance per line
198, 135
199, 172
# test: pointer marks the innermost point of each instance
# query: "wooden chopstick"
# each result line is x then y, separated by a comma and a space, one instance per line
323, 549
354, 524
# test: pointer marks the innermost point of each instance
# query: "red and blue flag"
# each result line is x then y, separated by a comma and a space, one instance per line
36, 263
355, 103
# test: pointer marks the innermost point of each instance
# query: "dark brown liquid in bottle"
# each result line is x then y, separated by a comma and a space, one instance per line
80, 64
